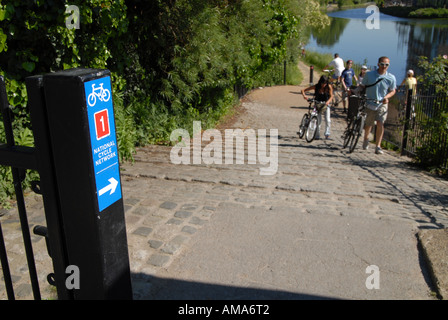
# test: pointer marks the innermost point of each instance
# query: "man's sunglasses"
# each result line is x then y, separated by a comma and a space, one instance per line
384, 64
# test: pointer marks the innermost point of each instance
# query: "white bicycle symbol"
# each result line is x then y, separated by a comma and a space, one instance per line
100, 92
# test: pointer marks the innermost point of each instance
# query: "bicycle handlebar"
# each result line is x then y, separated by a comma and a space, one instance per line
365, 98
318, 102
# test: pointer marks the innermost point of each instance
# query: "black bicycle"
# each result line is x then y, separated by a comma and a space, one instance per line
355, 124
310, 121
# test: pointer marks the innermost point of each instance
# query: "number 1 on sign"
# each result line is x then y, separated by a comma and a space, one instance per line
102, 122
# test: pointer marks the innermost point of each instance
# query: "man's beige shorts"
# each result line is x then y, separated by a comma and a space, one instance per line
378, 115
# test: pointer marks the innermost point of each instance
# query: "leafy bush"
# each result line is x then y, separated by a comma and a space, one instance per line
435, 73
172, 62
428, 13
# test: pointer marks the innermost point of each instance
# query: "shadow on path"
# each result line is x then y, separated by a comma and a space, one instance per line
151, 287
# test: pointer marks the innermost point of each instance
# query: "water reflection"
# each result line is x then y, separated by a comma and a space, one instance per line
402, 40
425, 39
329, 36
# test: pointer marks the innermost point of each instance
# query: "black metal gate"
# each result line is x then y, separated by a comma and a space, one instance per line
38, 158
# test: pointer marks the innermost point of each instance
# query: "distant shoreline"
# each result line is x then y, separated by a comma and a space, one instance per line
416, 13
334, 7
397, 11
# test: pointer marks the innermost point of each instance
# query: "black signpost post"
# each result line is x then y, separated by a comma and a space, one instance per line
79, 107
76, 155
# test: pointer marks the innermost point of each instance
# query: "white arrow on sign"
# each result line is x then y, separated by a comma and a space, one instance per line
112, 186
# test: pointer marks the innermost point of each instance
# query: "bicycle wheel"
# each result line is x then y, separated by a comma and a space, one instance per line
303, 125
357, 131
91, 99
106, 95
337, 98
337, 94
348, 134
311, 131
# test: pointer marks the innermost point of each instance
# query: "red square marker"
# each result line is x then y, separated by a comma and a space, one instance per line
102, 124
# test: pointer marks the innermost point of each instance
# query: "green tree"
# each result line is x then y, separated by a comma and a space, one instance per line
435, 73
35, 40
172, 61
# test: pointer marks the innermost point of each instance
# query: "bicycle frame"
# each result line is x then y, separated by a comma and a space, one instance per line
314, 122
98, 92
355, 125
314, 109
101, 92
317, 106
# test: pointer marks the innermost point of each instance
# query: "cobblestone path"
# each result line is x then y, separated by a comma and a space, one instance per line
168, 205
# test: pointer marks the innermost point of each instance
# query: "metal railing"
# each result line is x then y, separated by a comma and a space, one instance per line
277, 76
412, 124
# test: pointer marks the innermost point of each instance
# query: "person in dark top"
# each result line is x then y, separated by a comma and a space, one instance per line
347, 81
323, 91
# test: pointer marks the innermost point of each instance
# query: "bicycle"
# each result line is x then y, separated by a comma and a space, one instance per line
310, 121
355, 125
337, 88
102, 94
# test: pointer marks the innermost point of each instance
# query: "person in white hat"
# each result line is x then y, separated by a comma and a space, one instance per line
410, 82
362, 74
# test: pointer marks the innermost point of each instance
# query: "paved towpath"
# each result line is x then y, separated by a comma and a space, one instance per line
309, 231
314, 229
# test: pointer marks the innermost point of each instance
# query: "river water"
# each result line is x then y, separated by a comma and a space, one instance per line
402, 40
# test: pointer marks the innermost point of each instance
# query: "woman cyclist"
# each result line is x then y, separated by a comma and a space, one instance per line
323, 91
361, 75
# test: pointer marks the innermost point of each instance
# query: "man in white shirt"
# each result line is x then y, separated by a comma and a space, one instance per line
338, 64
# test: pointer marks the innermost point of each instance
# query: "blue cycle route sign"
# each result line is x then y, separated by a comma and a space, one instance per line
103, 140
